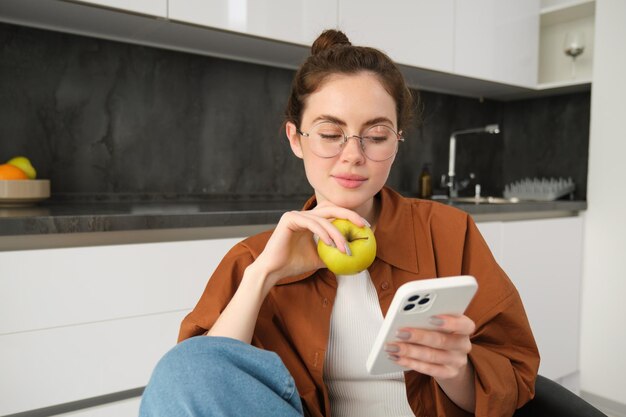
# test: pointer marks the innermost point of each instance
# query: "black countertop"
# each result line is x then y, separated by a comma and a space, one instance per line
110, 215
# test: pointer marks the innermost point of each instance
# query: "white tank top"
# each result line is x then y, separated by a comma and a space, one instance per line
355, 320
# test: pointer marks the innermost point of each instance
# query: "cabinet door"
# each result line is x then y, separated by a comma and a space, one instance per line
491, 232
83, 322
296, 21
418, 33
43, 368
497, 40
148, 7
543, 259
50, 288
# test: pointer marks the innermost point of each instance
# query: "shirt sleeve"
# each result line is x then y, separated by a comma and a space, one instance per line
218, 292
504, 353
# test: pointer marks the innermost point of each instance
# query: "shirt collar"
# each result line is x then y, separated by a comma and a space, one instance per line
395, 233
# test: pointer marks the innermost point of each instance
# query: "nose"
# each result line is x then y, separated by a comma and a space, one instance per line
353, 150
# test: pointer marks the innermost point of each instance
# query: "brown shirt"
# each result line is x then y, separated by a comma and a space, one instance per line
416, 239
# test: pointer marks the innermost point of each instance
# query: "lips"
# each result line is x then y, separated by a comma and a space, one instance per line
349, 180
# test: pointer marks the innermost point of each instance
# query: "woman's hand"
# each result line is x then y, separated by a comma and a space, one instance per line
442, 354
291, 249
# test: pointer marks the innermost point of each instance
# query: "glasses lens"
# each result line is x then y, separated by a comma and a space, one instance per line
326, 139
380, 143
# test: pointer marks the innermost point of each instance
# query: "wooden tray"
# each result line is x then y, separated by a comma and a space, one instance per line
19, 193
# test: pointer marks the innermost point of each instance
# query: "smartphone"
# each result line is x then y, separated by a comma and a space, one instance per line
412, 306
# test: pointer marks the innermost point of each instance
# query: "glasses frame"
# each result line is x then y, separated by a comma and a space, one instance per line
399, 138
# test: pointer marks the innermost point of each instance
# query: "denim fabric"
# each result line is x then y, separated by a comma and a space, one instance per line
217, 376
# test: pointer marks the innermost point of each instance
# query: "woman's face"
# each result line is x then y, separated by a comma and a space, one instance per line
349, 179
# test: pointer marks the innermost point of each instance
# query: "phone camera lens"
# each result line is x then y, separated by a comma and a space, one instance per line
413, 298
409, 307
423, 301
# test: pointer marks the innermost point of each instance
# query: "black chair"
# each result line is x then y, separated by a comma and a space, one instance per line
553, 400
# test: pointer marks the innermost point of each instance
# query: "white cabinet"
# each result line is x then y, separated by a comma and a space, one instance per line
296, 21
492, 232
417, 33
543, 259
148, 7
53, 366
497, 40
83, 322
476, 48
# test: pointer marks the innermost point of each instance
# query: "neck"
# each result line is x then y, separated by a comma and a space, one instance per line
369, 210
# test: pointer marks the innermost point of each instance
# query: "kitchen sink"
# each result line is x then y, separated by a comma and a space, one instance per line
483, 200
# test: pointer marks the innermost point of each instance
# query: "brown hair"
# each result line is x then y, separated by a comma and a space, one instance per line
332, 53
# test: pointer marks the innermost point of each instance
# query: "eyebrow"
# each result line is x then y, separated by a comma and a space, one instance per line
327, 117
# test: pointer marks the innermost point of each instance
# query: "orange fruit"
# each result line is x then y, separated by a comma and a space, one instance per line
10, 172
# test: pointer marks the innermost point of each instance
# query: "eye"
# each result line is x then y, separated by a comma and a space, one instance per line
376, 139
330, 136
328, 132
378, 134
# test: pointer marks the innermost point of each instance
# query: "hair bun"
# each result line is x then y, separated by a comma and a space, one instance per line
329, 39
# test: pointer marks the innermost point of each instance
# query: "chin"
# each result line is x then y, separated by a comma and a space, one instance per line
351, 199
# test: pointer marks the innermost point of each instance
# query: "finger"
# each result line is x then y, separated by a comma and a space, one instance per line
330, 234
335, 212
297, 221
428, 354
454, 324
335, 238
326, 214
426, 368
435, 339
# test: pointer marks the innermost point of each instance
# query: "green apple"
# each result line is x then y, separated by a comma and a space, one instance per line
24, 164
362, 246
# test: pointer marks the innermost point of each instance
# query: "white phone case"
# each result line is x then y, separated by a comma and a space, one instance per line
413, 305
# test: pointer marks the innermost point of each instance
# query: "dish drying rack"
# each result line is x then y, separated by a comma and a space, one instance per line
539, 189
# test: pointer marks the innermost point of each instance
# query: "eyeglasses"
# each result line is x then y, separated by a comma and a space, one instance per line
378, 143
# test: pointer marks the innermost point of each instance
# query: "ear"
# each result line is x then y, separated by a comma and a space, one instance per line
294, 139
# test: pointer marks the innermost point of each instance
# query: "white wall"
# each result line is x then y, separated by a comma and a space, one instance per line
603, 333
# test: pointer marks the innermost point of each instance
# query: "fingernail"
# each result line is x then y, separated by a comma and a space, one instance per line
348, 251
403, 335
316, 238
393, 357
392, 348
366, 222
436, 321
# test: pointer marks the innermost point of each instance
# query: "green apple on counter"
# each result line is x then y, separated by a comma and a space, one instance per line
362, 244
24, 164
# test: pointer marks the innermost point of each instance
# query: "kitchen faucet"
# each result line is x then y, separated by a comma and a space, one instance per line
452, 183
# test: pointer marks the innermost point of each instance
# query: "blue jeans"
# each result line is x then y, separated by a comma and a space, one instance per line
217, 376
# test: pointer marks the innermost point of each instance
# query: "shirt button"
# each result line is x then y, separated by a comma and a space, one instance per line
325, 302
384, 285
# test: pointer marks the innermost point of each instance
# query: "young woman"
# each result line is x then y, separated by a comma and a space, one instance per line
280, 335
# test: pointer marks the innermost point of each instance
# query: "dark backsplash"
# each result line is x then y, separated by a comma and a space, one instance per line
101, 117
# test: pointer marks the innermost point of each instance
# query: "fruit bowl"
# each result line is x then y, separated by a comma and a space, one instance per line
20, 193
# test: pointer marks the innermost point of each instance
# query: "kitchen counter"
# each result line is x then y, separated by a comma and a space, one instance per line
76, 217
62, 217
